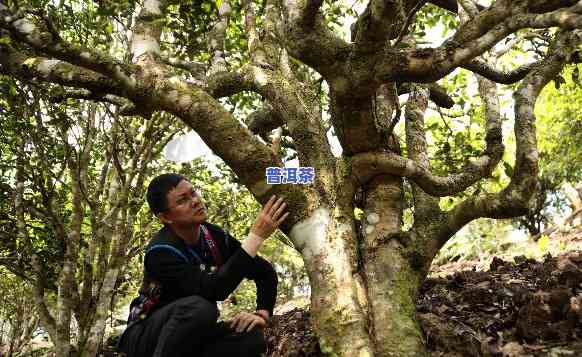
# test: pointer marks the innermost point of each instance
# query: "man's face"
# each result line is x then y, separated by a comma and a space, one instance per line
185, 206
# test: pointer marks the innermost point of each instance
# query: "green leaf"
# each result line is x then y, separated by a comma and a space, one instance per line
508, 169
12, 90
543, 243
576, 75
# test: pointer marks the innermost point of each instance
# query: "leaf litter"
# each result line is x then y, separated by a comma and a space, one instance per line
520, 308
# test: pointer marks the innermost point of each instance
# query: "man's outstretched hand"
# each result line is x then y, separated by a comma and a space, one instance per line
270, 217
245, 322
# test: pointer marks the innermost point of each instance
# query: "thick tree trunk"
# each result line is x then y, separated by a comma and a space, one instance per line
339, 320
366, 308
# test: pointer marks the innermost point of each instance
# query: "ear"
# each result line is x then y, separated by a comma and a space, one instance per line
164, 218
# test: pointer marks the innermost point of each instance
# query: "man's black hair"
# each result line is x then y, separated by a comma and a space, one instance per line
159, 188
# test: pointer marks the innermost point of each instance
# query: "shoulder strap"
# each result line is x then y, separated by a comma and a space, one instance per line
212, 245
170, 248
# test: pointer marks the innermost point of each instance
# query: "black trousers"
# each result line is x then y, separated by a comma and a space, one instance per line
188, 328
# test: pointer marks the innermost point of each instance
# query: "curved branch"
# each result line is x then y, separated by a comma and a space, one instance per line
514, 199
311, 41
219, 129
369, 164
24, 30
431, 64
383, 20
225, 84
472, 39
54, 71
484, 69
126, 107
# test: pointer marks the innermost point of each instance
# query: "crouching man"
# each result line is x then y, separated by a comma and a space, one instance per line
188, 266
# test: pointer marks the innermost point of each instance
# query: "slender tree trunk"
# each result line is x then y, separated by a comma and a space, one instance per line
391, 282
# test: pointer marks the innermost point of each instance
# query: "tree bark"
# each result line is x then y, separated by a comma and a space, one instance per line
391, 282
335, 304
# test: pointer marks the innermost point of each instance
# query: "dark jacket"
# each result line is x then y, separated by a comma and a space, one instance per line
181, 275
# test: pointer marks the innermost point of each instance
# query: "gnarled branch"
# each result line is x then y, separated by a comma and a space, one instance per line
382, 21
312, 41
514, 199
484, 69
28, 68
367, 165
126, 107
44, 41
471, 40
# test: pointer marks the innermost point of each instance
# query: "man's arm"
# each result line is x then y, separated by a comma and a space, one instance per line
184, 279
265, 278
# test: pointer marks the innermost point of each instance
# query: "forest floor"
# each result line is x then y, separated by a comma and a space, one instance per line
507, 306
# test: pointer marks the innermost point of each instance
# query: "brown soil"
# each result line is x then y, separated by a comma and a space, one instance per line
519, 308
